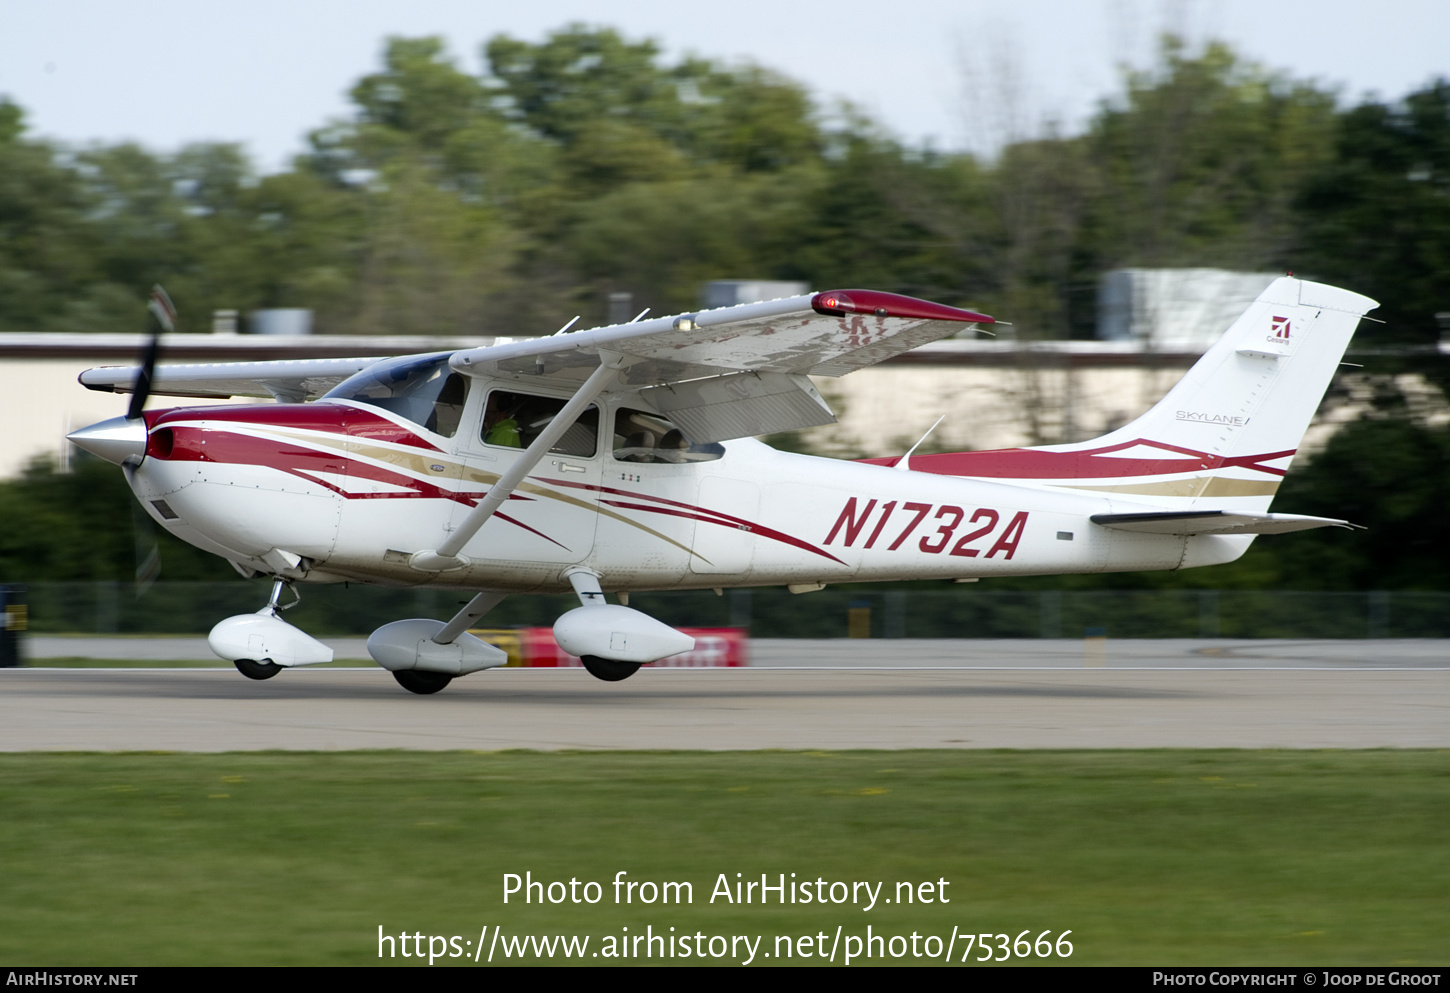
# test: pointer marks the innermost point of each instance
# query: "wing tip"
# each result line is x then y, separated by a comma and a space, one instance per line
840, 303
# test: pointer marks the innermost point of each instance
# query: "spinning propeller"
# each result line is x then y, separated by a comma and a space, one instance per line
122, 440
163, 312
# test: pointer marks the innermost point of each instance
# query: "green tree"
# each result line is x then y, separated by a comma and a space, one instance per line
1201, 161
668, 174
883, 218
580, 80
78, 525
429, 171
52, 274
1388, 474
1377, 216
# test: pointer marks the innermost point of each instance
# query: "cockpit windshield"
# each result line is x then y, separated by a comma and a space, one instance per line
419, 387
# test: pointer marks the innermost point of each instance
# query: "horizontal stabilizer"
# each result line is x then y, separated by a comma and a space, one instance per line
1215, 522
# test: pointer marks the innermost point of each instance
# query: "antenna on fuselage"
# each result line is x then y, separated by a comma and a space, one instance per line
574, 320
902, 465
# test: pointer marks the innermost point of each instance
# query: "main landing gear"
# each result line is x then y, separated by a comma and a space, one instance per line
607, 669
425, 655
612, 640
421, 681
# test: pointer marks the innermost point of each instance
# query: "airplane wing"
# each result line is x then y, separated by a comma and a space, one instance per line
291, 381
717, 374
735, 371
1215, 522
821, 334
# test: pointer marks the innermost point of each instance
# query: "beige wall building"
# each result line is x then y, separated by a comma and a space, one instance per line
990, 394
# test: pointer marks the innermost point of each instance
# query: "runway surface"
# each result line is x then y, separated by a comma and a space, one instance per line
1030, 694
873, 653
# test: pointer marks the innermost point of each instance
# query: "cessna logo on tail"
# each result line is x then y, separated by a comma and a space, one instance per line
1281, 328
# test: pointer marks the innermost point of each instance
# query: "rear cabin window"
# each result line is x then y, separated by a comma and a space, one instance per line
514, 420
423, 390
642, 436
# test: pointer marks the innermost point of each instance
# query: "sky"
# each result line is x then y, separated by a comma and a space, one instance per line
949, 73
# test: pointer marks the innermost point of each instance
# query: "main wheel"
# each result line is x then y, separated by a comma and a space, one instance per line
421, 681
608, 669
253, 669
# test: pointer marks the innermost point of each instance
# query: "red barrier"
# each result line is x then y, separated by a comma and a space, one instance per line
536, 648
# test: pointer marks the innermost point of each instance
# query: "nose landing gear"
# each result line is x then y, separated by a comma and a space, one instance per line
261, 645
266, 668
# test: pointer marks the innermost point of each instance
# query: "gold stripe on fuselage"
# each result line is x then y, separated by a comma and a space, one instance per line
418, 463
1194, 486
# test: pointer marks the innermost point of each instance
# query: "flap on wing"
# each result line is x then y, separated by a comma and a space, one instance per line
290, 381
1215, 522
740, 406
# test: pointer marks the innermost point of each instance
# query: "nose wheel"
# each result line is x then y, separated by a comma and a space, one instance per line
253, 669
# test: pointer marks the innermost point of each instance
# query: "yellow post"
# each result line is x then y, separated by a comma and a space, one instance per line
505, 638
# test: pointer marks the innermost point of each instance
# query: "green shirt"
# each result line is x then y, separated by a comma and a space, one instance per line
505, 433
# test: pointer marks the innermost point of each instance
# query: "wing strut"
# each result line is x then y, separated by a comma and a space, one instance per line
445, 557
465, 618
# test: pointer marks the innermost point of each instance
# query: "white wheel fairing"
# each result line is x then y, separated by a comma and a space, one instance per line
265, 637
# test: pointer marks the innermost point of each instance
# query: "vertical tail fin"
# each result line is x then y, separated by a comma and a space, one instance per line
1225, 435
1231, 426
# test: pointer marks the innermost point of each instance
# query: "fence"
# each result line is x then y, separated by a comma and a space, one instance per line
960, 612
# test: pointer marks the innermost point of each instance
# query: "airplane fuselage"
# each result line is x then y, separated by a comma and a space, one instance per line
338, 490
622, 459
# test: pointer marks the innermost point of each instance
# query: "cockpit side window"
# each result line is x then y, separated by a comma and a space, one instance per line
422, 389
448, 407
514, 420
642, 436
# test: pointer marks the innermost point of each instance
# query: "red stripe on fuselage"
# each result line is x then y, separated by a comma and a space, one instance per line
241, 449
709, 517
290, 457
229, 448
1095, 463
333, 418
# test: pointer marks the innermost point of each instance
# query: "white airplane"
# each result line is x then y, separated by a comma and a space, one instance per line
621, 459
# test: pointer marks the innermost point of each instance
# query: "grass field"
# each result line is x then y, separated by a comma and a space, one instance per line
1157, 857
